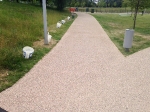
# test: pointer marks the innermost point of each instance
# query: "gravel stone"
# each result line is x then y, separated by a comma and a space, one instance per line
84, 72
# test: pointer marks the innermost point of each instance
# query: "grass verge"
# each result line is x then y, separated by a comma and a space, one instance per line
22, 25
115, 26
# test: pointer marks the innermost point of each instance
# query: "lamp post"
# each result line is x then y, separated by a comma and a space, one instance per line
45, 22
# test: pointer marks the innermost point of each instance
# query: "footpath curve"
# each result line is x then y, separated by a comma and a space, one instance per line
84, 72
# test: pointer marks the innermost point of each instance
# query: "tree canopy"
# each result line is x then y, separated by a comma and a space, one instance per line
60, 4
138, 5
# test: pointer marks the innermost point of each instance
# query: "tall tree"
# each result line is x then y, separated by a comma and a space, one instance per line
73, 2
101, 3
119, 3
60, 4
126, 3
138, 4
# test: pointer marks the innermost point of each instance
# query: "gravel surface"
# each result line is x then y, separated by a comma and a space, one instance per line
84, 72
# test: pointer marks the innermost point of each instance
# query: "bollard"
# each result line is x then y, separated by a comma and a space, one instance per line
128, 38
92, 10
27, 52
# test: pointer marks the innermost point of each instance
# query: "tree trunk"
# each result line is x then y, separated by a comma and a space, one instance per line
135, 14
131, 11
41, 3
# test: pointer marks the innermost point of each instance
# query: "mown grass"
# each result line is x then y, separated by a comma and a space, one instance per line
109, 9
22, 25
115, 26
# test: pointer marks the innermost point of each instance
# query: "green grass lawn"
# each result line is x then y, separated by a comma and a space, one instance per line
109, 9
22, 25
115, 26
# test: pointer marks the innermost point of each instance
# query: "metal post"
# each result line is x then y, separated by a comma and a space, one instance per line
45, 22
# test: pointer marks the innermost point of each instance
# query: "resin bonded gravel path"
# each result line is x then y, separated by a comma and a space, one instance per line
84, 72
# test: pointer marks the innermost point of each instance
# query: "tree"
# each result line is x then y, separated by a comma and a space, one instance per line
101, 3
118, 3
73, 2
126, 3
77, 4
83, 4
60, 4
138, 4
